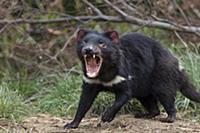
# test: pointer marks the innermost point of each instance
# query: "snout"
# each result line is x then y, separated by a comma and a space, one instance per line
90, 50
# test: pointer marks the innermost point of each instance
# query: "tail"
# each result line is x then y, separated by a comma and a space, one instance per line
188, 89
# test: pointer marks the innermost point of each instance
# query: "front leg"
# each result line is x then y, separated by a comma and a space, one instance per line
110, 112
87, 97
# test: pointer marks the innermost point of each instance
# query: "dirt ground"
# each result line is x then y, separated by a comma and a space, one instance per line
44, 123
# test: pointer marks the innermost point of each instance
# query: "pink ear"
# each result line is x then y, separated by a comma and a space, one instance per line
113, 35
81, 33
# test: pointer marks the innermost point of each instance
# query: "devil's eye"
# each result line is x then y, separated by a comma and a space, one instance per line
101, 41
102, 44
85, 41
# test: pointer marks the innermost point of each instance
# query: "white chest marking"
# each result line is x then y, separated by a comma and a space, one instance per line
118, 79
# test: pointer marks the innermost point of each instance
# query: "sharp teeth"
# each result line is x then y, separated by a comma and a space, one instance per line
93, 55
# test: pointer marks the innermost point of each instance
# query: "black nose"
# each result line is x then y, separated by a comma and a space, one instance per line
88, 50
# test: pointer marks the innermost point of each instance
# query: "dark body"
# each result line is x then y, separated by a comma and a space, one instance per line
145, 70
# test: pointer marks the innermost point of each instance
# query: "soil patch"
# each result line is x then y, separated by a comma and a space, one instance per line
45, 123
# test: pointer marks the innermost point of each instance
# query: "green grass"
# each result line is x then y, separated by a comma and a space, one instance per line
59, 94
191, 63
11, 104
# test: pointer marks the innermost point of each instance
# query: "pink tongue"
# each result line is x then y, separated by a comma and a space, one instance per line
92, 68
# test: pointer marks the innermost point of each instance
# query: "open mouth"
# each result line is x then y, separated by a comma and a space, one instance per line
92, 65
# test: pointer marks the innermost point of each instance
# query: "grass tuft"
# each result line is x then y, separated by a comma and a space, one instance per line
11, 104
61, 96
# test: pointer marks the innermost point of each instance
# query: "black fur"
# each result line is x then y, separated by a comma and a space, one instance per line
152, 74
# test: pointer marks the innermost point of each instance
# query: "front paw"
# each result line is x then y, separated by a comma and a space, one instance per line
71, 125
107, 117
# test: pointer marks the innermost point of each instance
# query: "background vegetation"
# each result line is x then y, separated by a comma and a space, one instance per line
39, 70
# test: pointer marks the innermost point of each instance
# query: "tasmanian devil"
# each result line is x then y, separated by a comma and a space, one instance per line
131, 66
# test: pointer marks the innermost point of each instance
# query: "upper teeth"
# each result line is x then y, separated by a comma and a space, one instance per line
93, 56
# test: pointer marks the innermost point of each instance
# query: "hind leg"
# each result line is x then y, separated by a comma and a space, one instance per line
166, 96
150, 104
